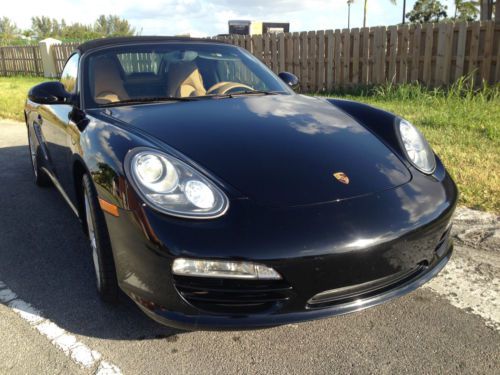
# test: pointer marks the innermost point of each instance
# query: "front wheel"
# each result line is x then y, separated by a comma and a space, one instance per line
102, 255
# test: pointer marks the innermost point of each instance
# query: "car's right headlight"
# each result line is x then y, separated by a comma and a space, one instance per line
416, 147
173, 187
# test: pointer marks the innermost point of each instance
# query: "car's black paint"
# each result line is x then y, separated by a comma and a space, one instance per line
290, 79
52, 92
279, 150
274, 157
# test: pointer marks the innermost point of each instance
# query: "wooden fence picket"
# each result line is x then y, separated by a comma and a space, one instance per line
355, 56
329, 60
415, 51
460, 56
321, 76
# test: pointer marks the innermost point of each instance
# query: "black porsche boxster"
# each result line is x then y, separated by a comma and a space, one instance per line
216, 197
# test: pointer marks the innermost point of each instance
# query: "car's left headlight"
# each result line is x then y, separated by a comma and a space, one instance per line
173, 187
416, 147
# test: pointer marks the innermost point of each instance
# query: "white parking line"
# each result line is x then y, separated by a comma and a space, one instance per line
78, 352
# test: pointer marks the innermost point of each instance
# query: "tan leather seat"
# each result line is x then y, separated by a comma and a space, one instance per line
184, 79
108, 84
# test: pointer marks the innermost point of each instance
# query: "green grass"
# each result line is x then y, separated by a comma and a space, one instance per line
13, 91
462, 125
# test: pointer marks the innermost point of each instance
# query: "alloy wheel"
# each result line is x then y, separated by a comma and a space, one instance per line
92, 238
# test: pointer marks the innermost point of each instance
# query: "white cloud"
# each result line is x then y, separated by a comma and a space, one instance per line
209, 17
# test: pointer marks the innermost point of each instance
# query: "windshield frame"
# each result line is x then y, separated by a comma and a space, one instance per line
88, 103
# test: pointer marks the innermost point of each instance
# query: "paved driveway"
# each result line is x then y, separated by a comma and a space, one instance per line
51, 320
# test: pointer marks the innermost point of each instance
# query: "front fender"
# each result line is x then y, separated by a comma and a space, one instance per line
379, 122
102, 149
383, 125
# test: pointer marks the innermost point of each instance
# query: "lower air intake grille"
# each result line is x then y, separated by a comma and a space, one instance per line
228, 296
365, 290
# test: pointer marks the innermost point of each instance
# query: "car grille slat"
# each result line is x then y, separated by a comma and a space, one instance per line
226, 296
360, 291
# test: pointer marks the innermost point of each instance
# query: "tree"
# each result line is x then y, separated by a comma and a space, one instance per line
44, 27
365, 8
427, 11
113, 26
466, 10
8, 30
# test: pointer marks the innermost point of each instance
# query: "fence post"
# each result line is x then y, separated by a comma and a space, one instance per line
2, 62
48, 58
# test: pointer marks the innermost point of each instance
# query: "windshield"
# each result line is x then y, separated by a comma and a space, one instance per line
152, 72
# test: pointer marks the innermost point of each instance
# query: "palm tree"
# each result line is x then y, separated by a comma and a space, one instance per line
364, 10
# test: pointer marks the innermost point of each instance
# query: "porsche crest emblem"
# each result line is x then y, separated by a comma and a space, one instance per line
341, 177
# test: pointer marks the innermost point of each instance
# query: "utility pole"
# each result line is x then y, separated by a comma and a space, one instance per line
349, 2
486, 9
404, 12
364, 14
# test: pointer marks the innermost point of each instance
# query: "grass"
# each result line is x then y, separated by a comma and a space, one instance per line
13, 91
462, 125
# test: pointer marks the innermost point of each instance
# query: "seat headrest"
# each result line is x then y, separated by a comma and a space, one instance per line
184, 79
107, 78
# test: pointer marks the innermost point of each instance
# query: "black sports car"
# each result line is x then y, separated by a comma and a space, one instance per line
216, 197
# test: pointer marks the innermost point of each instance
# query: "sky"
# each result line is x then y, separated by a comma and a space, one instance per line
209, 17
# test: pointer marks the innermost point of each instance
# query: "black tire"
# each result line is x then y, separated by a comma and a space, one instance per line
39, 176
102, 254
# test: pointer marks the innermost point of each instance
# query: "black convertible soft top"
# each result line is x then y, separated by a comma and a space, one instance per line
104, 42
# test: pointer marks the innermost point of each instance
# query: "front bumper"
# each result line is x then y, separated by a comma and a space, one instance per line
228, 322
371, 248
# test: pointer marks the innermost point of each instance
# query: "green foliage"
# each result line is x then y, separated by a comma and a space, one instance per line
43, 27
8, 30
113, 26
466, 10
427, 11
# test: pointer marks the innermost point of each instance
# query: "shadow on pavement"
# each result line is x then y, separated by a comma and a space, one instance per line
46, 260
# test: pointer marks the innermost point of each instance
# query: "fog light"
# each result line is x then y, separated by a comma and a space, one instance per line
223, 269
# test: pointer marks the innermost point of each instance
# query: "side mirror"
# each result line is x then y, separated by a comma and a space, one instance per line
49, 93
290, 79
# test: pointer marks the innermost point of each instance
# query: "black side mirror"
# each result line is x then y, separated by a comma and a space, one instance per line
49, 93
290, 79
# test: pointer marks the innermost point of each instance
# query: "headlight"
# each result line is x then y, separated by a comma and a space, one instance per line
223, 269
173, 187
417, 149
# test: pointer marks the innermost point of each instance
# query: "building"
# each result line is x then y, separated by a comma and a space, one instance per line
244, 27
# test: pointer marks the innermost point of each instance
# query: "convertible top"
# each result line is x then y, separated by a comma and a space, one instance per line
105, 42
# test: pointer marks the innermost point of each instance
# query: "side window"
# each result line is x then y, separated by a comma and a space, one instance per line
69, 74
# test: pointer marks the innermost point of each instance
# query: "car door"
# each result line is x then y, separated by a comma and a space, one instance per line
54, 125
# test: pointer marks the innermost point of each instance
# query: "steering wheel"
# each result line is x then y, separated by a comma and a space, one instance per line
224, 87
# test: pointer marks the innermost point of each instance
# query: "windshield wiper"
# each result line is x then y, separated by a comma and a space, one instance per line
254, 92
150, 100
187, 98
240, 93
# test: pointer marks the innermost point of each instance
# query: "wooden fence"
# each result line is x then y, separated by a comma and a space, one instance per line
61, 52
433, 54
20, 60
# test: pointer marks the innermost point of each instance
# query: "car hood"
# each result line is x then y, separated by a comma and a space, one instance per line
280, 150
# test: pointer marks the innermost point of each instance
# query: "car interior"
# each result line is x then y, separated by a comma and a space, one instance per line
119, 77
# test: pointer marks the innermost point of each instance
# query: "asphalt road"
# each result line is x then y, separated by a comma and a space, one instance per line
449, 327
